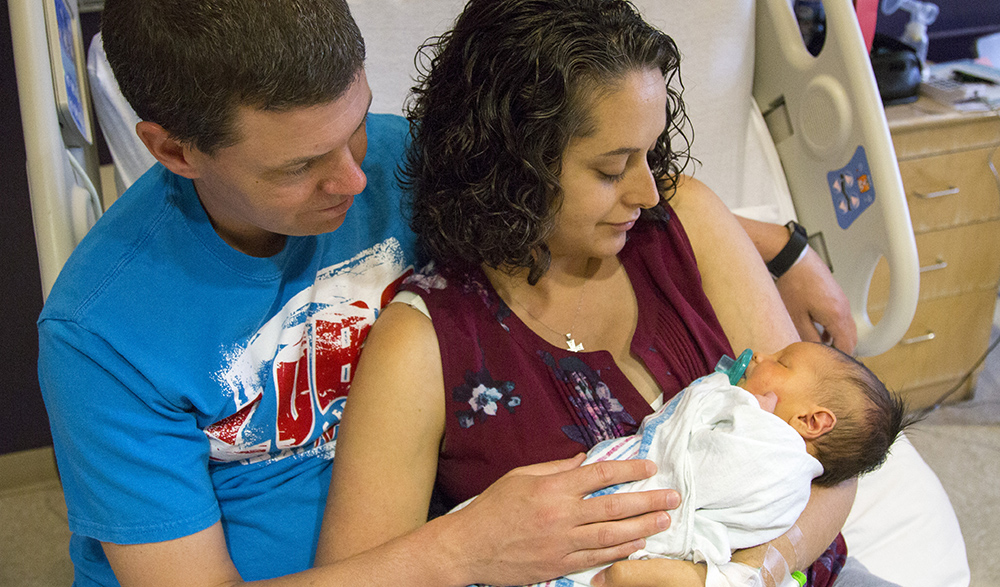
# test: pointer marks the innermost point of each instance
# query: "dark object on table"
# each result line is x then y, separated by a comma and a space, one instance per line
897, 70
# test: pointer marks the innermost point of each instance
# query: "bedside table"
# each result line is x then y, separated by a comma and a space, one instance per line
954, 201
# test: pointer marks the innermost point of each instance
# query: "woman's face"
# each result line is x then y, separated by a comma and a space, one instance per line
605, 178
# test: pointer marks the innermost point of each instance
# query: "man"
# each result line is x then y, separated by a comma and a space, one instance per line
196, 351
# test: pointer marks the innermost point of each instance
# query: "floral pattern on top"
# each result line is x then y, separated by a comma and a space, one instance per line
601, 416
427, 278
484, 396
487, 295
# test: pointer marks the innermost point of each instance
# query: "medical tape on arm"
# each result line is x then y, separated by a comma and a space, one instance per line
775, 570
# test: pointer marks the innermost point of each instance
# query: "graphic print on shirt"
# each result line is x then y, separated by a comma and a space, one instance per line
290, 380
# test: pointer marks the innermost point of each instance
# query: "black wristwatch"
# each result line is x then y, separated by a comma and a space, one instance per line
797, 243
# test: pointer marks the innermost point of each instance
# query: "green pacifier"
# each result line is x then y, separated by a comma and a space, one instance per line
734, 369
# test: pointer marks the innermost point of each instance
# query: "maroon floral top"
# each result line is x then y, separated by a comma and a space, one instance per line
513, 399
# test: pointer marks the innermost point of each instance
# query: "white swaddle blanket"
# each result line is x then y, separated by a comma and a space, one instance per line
743, 474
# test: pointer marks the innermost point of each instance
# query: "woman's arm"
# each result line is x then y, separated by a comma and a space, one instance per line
389, 436
815, 529
733, 274
530, 525
752, 315
808, 290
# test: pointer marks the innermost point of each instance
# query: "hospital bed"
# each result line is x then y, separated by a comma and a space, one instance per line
810, 142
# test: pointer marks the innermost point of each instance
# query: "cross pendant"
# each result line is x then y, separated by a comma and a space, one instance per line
572, 344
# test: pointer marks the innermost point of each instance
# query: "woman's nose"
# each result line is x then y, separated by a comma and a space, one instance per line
643, 193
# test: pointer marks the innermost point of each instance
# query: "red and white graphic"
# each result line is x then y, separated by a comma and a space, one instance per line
290, 381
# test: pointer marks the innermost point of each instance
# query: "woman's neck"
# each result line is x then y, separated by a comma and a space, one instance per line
562, 277
557, 307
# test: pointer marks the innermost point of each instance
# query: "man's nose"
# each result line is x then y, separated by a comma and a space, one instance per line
344, 176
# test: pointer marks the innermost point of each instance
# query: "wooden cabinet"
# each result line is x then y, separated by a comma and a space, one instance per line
954, 200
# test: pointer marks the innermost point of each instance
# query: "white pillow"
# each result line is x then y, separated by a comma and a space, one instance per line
903, 527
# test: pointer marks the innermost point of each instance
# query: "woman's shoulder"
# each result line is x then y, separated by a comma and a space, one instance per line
450, 289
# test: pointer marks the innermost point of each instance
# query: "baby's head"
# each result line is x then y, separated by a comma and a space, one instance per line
845, 414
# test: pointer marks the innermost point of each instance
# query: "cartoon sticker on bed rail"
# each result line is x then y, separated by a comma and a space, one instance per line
851, 188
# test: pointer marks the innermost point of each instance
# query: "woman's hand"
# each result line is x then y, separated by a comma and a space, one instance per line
534, 523
661, 572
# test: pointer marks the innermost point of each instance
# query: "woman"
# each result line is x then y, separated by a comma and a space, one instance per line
571, 297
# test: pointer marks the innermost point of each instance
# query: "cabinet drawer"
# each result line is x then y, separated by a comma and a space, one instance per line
944, 341
952, 261
924, 396
950, 190
927, 127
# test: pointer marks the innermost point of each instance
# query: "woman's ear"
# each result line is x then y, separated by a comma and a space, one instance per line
815, 423
173, 154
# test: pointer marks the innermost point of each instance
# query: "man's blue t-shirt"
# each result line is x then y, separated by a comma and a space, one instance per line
187, 382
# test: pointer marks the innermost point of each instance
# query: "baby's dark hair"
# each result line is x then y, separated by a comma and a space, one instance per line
188, 64
505, 91
869, 418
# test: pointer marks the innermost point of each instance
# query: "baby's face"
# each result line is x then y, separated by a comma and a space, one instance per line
791, 374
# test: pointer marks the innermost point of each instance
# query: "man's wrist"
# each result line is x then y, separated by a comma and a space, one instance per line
791, 253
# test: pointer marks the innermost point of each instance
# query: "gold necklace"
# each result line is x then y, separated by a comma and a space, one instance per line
571, 343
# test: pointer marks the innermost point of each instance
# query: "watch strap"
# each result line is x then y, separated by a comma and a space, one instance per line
792, 251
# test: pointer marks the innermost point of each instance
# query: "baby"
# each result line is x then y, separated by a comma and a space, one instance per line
845, 415
744, 457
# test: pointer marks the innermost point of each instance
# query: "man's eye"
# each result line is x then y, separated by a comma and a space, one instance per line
300, 170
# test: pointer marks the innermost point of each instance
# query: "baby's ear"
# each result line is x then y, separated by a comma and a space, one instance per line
815, 423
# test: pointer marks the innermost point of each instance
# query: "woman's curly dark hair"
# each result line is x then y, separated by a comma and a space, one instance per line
505, 91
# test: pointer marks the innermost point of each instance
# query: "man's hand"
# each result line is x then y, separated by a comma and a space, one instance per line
534, 524
813, 297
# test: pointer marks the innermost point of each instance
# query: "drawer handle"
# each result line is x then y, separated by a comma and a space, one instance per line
951, 191
941, 264
922, 338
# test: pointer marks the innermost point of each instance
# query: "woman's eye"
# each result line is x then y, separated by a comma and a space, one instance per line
612, 178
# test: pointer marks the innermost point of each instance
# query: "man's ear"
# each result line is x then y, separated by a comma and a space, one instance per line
815, 423
173, 154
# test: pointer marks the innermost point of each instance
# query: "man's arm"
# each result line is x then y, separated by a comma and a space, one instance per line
527, 510
565, 531
807, 289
